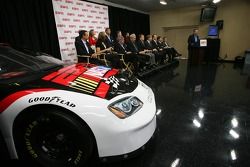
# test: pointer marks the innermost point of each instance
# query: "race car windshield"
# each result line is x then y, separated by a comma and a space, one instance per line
14, 63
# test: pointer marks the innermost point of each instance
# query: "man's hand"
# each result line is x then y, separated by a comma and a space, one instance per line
94, 55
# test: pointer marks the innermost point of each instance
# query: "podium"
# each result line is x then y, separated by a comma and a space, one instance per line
197, 55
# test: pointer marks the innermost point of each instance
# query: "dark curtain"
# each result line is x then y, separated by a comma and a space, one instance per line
128, 21
29, 24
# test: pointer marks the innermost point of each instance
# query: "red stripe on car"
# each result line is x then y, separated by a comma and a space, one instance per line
111, 73
6, 102
102, 90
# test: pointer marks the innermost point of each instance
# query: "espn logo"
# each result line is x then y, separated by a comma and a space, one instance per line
90, 27
58, 0
61, 25
97, 7
64, 7
80, 4
80, 15
59, 13
66, 19
101, 12
74, 8
102, 22
105, 8
62, 38
68, 43
67, 31
89, 6
94, 22
105, 18
90, 16
67, 1
70, 14
76, 20
85, 10
82, 26
98, 27
64, 49
85, 21
72, 26
98, 17
93, 11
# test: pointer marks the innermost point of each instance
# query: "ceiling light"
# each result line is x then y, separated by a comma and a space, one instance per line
196, 123
233, 155
216, 1
201, 113
163, 2
234, 134
234, 122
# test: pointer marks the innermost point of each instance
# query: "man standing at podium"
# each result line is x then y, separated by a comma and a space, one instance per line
194, 40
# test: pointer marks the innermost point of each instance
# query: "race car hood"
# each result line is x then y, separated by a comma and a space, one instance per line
100, 81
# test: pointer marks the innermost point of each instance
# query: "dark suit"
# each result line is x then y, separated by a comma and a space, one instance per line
122, 49
148, 45
82, 50
132, 47
192, 42
154, 44
109, 41
141, 45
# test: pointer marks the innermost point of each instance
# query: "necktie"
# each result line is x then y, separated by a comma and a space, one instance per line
86, 47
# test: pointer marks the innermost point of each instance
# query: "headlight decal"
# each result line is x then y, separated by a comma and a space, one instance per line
125, 107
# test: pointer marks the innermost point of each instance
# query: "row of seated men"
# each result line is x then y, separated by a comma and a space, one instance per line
143, 54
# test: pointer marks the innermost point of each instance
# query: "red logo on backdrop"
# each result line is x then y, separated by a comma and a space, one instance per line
59, 13
58, 0
64, 49
67, 31
85, 10
67, 1
82, 26
64, 7
71, 14
66, 19
98, 17
90, 16
77, 20
101, 12
68, 43
90, 27
61, 25
62, 38
97, 7
72, 26
105, 18
71, 54
93, 11
80, 15
88, 5
85, 21
74, 8
102, 22
94, 22
78, 3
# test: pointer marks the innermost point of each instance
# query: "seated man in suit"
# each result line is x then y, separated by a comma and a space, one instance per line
109, 39
83, 47
141, 46
132, 47
149, 46
161, 52
172, 50
121, 48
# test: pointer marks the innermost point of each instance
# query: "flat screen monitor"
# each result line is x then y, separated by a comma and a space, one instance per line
208, 14
213, 31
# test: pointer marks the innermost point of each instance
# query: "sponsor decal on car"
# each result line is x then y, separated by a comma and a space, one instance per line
96, 80
54, 99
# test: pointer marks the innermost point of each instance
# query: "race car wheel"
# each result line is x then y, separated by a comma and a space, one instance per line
52, 138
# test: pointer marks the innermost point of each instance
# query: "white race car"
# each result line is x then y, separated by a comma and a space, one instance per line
57, 116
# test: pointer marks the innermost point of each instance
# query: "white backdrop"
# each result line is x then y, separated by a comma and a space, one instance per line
72, 16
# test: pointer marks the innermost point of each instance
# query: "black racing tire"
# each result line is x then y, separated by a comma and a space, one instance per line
49, 137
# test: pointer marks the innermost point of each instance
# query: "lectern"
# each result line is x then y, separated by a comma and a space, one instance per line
197, 54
